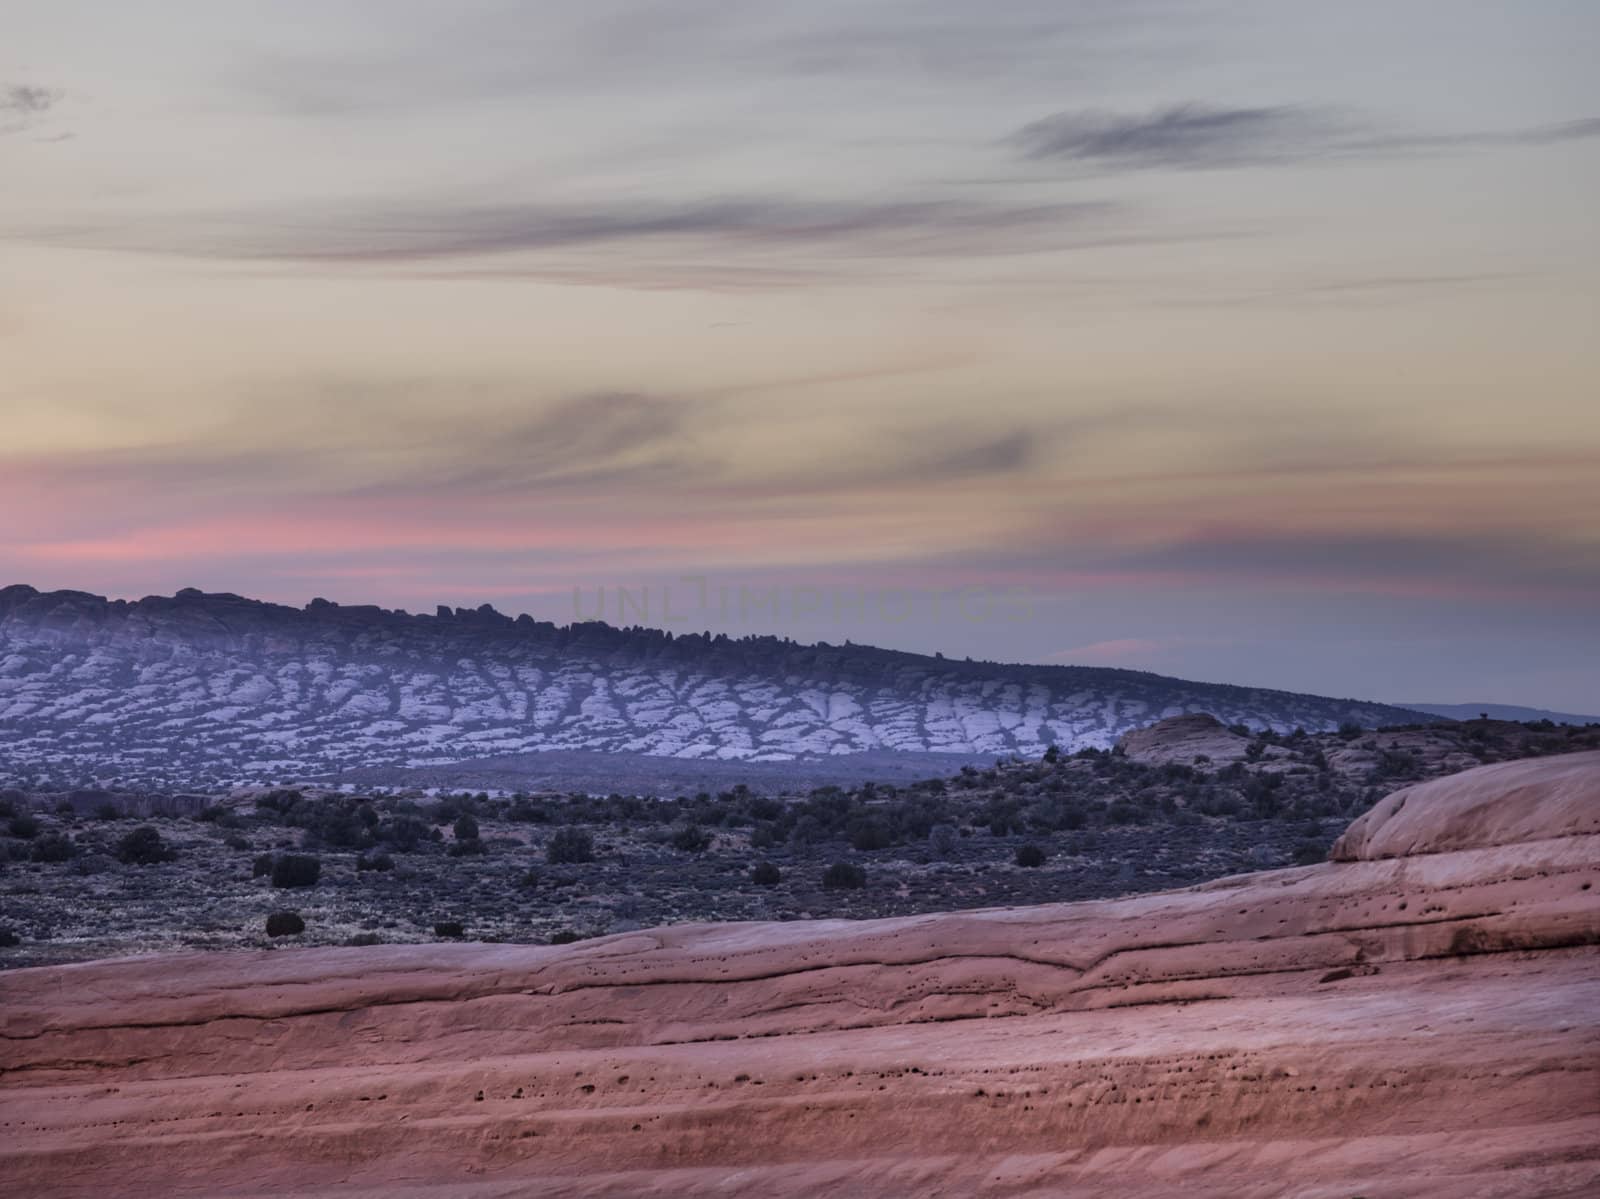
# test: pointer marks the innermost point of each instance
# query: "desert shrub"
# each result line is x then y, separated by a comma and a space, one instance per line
765, 874
23, 825
868, 834
54, 847
691, 838
10, 801
296, 870
1030, 857
143, 846
365, 939
449, 928
524, 811
106, 810
844, 876
1262, 792
236, 841
1122, 812
8, 938
807, 830
943, 839
262, 866
466, 827
1309, 853
332, 823
1396, 763
285, 924
530, 879
570, 845
1350, 730
565, 937
376, 861
403, 833
765, 835
469, 847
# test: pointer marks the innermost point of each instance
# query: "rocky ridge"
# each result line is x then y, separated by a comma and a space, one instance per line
206, 689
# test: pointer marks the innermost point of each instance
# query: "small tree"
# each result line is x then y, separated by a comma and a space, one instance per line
285, 924
691, 838
296, 870
143, 847
466, 827
54, 847
844, 876
570, 845
765, 874
1030, 857
943, 839
868, 834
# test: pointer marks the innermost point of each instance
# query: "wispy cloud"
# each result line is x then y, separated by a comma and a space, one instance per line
419, 234
1195, 136
1185, 135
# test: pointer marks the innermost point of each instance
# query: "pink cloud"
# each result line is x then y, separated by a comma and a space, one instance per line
1115, 652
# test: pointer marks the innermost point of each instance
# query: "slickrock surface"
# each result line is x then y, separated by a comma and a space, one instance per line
1495, 805
1196, 739
1389, 1026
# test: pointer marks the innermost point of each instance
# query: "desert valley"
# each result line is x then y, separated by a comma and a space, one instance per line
1183, 957
732, 599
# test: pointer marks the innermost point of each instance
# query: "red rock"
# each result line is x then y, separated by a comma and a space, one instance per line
1396, 1026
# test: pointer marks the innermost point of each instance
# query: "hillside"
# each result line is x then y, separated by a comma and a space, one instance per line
202, 689
1501, 712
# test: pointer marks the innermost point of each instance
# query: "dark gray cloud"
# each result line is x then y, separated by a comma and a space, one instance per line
1185, 135
21, 105
1425, 143
1566, 131
23, 100
1201, 136
1004, 455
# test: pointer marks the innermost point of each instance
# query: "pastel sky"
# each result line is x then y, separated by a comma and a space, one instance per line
1255, 339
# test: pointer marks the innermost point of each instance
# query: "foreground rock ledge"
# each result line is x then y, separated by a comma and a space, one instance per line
1422, 1024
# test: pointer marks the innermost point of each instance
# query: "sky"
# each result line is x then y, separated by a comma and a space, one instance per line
1242, 340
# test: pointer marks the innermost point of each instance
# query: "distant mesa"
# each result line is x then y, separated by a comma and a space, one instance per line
1511, 712
203, 689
